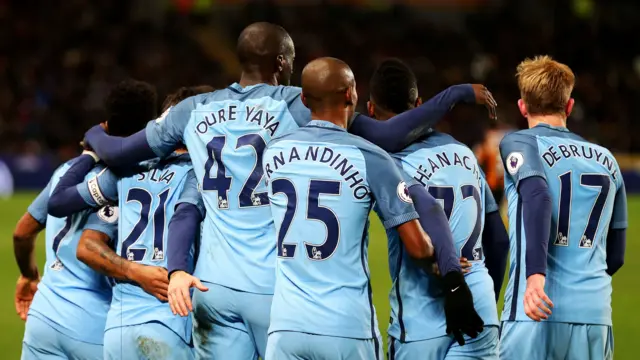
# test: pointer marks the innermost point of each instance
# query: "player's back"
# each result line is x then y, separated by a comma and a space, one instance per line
226, 135
451, 174
146, 204
583, 179
320, 200
71, 297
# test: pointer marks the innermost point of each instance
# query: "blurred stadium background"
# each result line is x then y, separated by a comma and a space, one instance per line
58, 60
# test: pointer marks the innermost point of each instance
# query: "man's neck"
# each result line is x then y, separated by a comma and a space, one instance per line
248, 78
338, 117
383, 115
553, 120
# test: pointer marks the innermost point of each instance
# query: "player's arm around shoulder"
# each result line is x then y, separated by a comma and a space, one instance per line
94, 250
66, 199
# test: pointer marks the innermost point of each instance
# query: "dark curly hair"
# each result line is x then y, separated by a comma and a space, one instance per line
129, 106
394, 86
183, 93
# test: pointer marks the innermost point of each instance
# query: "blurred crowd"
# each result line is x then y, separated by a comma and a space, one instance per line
59, 58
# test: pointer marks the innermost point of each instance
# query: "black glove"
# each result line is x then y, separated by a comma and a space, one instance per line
462, 317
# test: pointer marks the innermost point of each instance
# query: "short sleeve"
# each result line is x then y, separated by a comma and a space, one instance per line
490, 204
38, 208
293, 97
191, 194
619, 216
520, 157
166, 133
408, 179
100, 189
390, 191
105, 220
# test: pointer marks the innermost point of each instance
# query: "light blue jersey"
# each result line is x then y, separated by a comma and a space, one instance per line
588, 198
322, 184
226, 132
449, 171
146, 203
72, 298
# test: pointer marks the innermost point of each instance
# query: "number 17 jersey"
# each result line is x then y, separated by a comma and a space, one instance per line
226, 132
588, 198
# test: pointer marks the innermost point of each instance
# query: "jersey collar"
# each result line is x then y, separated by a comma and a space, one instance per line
325, 124
559, 128
235, 86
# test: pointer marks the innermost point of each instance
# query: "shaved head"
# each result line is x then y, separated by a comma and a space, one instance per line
328, 83
266, 47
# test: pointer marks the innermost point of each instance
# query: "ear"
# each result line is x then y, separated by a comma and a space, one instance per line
348, 96
304, 99
280, 61
418, 101
371, 109
569, 108
523, 108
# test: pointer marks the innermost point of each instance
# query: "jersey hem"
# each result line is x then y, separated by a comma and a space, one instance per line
236, 288
324, 334
183, 337
601, 323
430, 337
53, 325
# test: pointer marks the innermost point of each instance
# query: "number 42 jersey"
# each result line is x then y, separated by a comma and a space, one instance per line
226, 132
588, 198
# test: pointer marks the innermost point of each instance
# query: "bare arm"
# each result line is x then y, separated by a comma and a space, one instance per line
93, 250
415, 240
24, 239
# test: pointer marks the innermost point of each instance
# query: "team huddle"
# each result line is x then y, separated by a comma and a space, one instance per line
235, 225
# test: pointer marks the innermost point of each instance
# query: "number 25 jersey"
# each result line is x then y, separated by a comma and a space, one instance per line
588, 198
322, 184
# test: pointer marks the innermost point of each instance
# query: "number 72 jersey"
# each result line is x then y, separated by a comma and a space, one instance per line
588, 198
450, 173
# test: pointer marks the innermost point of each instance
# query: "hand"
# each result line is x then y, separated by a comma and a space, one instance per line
536, 303
152, 279
92, 133
484, 97
179, 296
85, 145
465, 265
25, 290
461, 316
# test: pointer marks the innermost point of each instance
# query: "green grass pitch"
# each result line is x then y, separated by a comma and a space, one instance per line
626, 286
